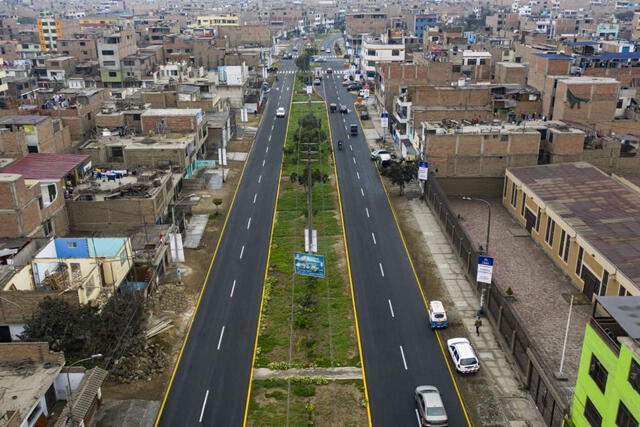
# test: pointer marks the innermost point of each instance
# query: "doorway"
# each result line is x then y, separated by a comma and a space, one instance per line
591, 282
530, 218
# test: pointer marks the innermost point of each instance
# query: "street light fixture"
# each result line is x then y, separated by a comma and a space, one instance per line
92, 357
486, 248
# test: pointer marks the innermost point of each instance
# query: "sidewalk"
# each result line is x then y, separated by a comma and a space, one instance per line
495, 394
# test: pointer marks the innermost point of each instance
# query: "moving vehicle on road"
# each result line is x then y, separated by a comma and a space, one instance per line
333, 108
327, 50
345, 56
317, 81
340, 145
430, 408
354, 87
281, 112
329, 71
272, 69
343, 109
463, 356
437, 315
353, 129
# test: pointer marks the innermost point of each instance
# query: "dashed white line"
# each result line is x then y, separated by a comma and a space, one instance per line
249, 223
233, 288
381, 269
404, 361
267, 149
263, 162
350, 147
362, 191
241, 251
373, 236
354, 160
204, 404
259, 179
418, 417
391, 308
358, 174
367, 210
255, 196
220, 339
269, 141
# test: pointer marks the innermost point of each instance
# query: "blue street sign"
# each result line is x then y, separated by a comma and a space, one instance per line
308, 264
485, 269
423, 171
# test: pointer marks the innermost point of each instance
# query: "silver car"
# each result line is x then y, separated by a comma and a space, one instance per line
430, 409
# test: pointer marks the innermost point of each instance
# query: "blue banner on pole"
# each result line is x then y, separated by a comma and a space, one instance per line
308, 264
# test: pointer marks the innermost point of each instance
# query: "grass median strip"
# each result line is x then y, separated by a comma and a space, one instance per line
307, 321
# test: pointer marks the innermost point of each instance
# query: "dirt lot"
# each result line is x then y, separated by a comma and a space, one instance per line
192, 277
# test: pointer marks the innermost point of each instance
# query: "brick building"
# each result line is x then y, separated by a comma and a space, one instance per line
542, 65
24, 134
32, 194
257, 34
82, 48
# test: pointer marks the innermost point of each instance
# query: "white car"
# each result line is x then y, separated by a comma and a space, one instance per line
280, 112
463, 356
328, 50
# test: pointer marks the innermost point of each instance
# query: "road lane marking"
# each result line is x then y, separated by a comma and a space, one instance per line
269, 141
241, 251
381, 269
255, 196
373, 236
350, 147
354, 160
263, 163
220, 339
358, 174
249, 223
418, 417
367, 210
267, 149
259, 179
362, 191
404, 361
233, 288
391, 308
204, 404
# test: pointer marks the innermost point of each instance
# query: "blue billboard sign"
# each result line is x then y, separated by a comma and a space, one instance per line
308, 264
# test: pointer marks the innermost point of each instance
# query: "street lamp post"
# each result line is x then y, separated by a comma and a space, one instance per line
486, 248
93, 356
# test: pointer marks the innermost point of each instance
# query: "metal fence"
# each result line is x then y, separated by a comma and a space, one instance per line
534, 374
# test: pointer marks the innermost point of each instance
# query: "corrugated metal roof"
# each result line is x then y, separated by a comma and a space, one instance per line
46, 165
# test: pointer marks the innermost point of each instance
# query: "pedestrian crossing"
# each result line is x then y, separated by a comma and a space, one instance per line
324, 72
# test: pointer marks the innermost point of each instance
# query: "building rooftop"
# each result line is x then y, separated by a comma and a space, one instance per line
601, 210
553, 56
624, 310
26, 379
23, 119
145, 184
46, 165
163, 112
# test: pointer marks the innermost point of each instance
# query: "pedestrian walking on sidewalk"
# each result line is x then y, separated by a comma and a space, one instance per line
477, 324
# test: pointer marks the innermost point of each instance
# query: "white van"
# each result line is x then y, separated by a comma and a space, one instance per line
437, 315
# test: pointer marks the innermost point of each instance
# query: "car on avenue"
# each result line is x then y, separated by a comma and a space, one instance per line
430, 409
281, 112
375, 154
343, 109
463, 356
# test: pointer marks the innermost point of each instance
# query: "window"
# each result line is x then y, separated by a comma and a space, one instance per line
514, 194
371, 52
136, 117
107, 52
551, 228
592, 415
65, 43
72, 244
504, 138
49, 193
598, 373
471, 61
117, 152
123, 257
371, 63
565, 242
83, 43
619, 104
109, 63
538, 219
604, 283
482, 61
579, 262
395, 52
625, 418
634, 375
622, 292
112, 74
524, 203
47, 227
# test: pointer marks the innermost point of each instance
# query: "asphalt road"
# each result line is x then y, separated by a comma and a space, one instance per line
399, 348
211, 382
